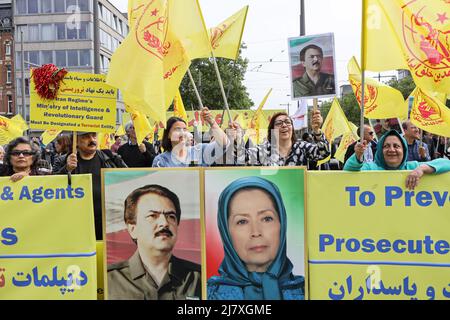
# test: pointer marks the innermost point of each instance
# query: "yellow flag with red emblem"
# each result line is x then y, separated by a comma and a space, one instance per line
380, 101
10, 129
49, 135
430, 114
104, 140
419, 31
227, 36
151, 62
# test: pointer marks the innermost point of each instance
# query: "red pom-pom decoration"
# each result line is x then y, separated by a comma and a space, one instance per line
47, 80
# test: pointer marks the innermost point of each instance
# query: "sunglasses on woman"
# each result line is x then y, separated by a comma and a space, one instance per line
25, 153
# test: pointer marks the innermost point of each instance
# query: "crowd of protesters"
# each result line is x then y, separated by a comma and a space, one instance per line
382, 144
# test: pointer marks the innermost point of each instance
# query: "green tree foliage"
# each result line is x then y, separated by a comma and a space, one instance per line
204, 74
405, 85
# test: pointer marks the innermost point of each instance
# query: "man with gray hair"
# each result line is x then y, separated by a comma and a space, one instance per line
136, 155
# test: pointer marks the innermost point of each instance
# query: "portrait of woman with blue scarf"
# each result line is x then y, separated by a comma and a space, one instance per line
252, 223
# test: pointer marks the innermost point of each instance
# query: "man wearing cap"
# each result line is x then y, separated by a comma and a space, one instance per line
133, 154
90, 160
152, 216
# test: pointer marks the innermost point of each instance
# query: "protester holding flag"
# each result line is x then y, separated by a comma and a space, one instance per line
369, 136
117, 143
392, 153
136, 154
417, 150
21, 159
89, 160
180, 153
283, 149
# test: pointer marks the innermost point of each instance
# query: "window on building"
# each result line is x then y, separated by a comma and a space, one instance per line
71, 5
46, 6
119, 27
60, 6
46, 57
61, 60
33, 6
72, 58
33, 57
72, 33
100, 10
8, 48
84, 30
8, 74
33, 32
85, 58
21, 6
84, 5
60, 31
27, 87
10, 104
114, 22
47, 32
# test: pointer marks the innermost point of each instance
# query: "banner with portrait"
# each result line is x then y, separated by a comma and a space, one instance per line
312, 66
47, 242
370, 238
151, 214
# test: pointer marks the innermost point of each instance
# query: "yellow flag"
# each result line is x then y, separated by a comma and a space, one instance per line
10, 129
380, 100
381, 46
335, 125
104, 140
260, 121
347, 139
419, 31
187, 23
429, 114
151, 62
23, 124
49, 135
226, 37
141, 126
120, 131
178, 107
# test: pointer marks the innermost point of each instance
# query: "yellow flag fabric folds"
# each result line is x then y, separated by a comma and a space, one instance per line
49, 135
419, 31
259, 121
178, 107
187, 23
104, 140
11, 129
335, 125
347, 139
120, 131
380, 100
149, 65
226, 37
430, 114
141, 126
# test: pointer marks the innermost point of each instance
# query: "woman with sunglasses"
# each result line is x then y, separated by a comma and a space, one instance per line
282, 148
21, 159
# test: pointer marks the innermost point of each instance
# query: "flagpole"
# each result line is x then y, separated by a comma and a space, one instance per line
363, 68
225, 100
195, 89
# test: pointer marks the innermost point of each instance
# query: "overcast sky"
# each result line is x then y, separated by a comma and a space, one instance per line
270, 24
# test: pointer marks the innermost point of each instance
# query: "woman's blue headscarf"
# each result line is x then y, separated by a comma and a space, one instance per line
256, 285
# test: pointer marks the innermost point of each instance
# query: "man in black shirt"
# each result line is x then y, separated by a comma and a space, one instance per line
136, 155
90, 160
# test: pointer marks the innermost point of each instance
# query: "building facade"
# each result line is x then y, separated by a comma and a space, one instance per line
79, 35
7, 87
